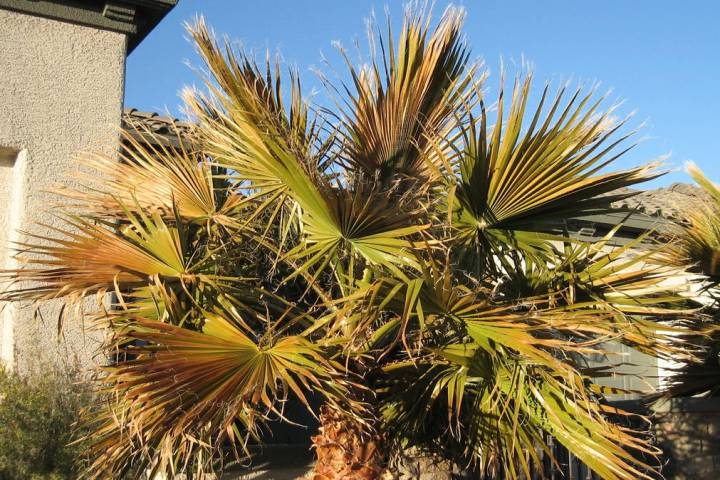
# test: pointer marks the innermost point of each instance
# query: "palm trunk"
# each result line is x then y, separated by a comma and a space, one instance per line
344, 452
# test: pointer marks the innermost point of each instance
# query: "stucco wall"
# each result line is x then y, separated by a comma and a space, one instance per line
61, 90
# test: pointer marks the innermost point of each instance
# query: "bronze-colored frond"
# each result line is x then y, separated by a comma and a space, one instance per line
406, 103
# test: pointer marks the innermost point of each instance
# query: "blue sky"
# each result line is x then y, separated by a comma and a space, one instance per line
661, 58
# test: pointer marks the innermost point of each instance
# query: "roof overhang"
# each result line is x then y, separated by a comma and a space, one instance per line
134, 18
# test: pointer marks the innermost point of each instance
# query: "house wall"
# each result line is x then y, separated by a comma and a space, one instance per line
61, 91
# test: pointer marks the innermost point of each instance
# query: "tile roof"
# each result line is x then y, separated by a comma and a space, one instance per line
165, 128
153, 121
666, 203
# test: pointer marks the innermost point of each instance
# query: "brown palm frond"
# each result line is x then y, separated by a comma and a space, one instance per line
249, 132
406, 102
149, 176
183, 391
86, 257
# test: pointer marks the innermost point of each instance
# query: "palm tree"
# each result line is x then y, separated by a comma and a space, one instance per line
399, 258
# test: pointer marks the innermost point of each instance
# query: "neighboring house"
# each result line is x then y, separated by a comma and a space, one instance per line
656, 210
62, 74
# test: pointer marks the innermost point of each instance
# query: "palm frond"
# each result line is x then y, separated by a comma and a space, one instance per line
695, 245
183, 392
502, 377
251, 134
514, 180
150, 176
246, 127
405, 103
626, 282
697, 242
84, 258
503, 392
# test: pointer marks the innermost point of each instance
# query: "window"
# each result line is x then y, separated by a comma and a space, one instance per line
11, 161
8, 159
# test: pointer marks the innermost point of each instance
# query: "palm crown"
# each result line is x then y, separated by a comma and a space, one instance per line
391, 258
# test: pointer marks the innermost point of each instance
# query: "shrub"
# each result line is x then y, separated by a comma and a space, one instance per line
38, 413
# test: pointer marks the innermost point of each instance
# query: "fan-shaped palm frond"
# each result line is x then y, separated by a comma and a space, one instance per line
405, 104
184, 391
151, 176
473, 366
248, 128
515, 180
625, 281
86, 258
250, 133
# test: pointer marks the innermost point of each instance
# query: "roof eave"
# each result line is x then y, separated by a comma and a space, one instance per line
134, 18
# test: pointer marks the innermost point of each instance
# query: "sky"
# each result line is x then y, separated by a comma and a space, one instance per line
661, 59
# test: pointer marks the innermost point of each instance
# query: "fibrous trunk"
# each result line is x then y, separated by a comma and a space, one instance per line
345, 452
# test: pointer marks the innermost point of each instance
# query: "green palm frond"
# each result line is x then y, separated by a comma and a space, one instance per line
515, 179
365, 223
505, 393
247, 127
85, 258
502, 377
532, 401
625, 281
254, 137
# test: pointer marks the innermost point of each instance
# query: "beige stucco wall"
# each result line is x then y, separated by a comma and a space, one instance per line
61, 90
